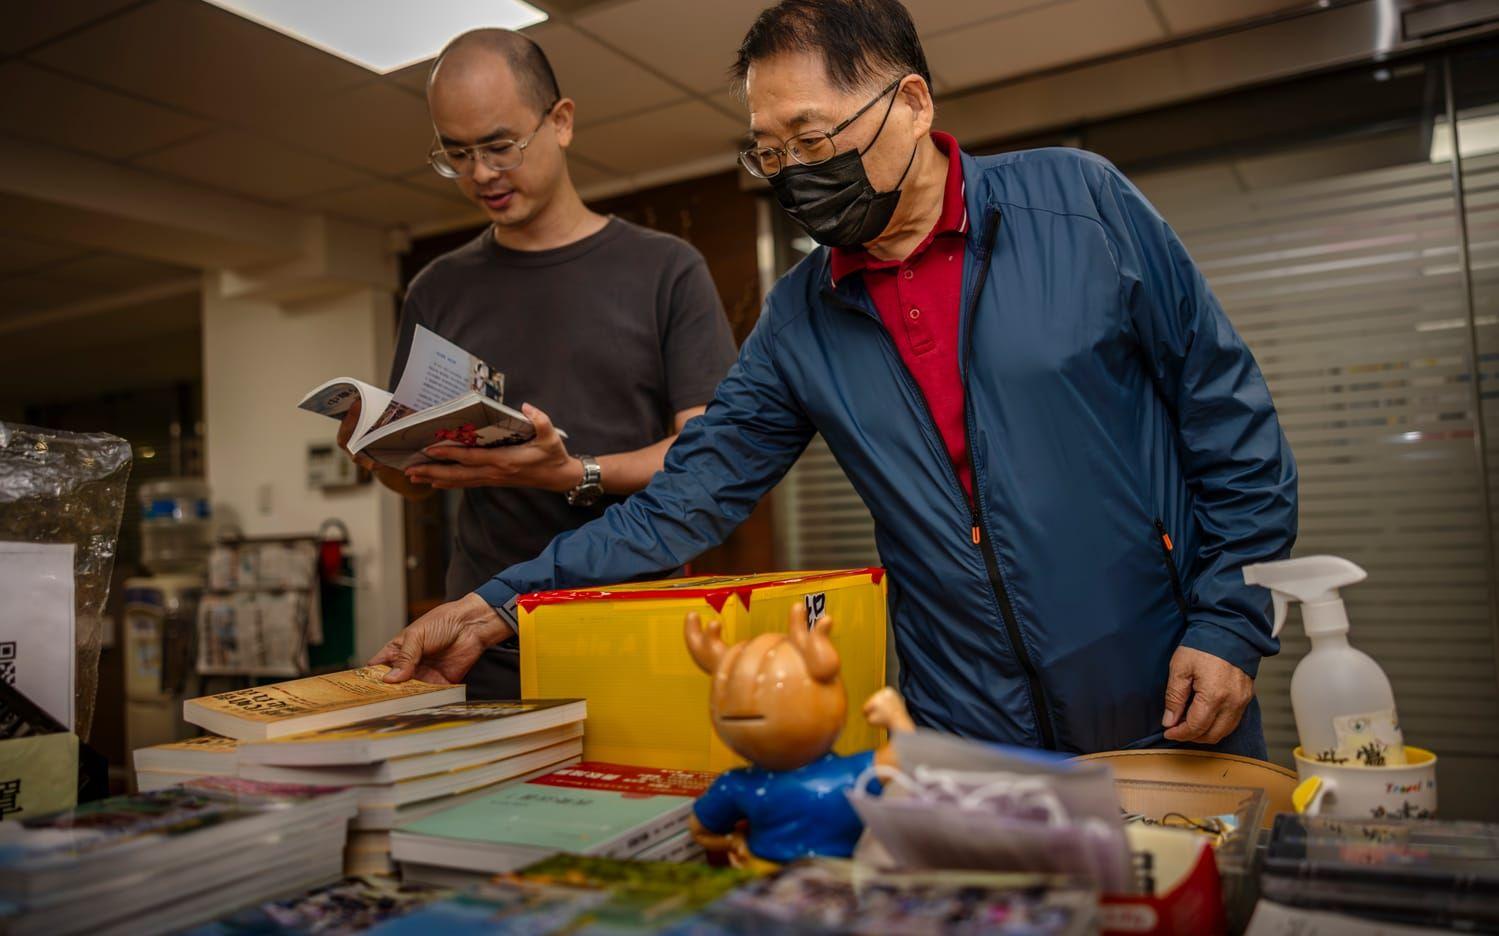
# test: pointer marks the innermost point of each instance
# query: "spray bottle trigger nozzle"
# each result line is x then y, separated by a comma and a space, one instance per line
1281, 603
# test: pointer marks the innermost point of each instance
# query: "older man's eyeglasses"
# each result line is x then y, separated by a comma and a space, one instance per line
452, 162
809, 148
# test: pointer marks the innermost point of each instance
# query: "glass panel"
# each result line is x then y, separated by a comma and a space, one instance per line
1336, 257
820, 521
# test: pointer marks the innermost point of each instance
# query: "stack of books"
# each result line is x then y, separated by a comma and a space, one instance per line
605, 810
165, 765
274, 711
168, 859
410, 765
406, 749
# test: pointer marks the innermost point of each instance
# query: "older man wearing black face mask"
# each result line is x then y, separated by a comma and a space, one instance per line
1069, 453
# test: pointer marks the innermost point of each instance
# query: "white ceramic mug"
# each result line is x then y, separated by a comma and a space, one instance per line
1355, 791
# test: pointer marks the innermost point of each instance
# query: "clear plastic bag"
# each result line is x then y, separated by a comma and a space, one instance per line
66, 487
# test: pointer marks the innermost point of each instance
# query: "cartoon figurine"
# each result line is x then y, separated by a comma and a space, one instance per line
778, 702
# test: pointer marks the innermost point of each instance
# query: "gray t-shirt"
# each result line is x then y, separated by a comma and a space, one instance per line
611, 337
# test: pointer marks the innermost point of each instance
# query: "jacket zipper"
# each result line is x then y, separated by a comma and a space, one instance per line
991, 562
1167, 549
975, 532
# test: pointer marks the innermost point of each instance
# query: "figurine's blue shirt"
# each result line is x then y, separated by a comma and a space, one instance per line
792, 813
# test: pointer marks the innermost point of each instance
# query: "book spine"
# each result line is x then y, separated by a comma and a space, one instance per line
630, 844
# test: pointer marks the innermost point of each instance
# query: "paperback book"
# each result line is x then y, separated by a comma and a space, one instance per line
429, 728
150, 861
413, 766
387, 817
205, 754
349, 906
820, 897
312, 703
445, 396
578, 895
592, 808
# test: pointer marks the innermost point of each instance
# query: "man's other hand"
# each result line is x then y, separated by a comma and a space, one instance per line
1218, 693
542, 463
442, 645
346, 427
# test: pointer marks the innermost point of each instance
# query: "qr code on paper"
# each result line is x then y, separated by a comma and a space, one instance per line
8, 661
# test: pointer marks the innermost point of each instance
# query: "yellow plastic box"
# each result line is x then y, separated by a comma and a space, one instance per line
621, 648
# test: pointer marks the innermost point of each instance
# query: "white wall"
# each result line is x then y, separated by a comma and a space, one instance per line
259, 358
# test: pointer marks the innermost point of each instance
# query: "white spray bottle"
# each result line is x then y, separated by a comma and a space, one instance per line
1345, 710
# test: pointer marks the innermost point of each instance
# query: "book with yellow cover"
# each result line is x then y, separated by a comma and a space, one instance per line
312, 703
206, 754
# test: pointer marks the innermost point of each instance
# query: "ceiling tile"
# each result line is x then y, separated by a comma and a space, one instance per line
412, 77
28, 24
18, 254
389, 203
251, 165
25, 293
196, 56
63, 111
660, 138
116, 272
938, 16
1045, 37
698, 48
374, 126
605, 84
1189, 16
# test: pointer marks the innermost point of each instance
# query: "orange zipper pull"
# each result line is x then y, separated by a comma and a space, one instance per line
1166, 538
975, 534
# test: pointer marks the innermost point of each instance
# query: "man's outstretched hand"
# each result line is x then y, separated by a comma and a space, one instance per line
442, 645
1218, 692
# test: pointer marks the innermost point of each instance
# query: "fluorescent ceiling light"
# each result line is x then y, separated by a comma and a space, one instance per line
1476, 135
382, 35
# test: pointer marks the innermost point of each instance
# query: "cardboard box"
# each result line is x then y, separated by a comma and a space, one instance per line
621, 648
1187, 899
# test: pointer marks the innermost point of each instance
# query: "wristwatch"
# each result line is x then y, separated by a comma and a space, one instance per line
591, 489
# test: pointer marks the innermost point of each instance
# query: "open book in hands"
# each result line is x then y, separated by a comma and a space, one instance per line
446, 396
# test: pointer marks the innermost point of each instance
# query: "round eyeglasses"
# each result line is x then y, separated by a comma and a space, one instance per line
809, 148
452, 162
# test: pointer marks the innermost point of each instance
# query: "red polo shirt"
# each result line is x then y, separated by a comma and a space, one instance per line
918, 299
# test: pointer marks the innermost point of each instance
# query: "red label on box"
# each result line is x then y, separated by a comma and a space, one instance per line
715, 591
631, 781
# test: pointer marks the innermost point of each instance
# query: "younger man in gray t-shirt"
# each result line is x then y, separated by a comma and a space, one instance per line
613, 331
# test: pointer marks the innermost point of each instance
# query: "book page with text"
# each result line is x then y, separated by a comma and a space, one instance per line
438, 371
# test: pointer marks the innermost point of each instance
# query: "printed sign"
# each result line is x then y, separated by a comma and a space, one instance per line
817, 606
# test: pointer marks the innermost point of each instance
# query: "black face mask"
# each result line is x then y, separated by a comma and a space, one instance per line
834, 202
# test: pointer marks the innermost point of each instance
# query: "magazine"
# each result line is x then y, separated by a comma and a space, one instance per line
349, 906
445, 396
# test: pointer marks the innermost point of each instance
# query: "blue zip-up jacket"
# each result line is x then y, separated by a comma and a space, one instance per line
1110, 406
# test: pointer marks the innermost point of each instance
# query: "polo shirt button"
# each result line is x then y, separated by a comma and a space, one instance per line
915, 314
909, 274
